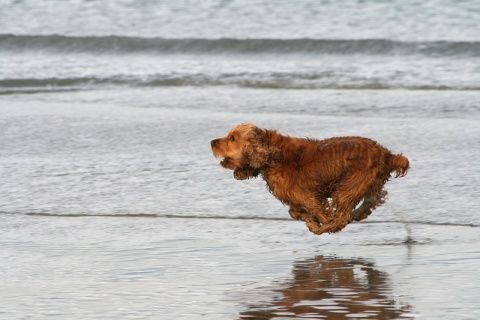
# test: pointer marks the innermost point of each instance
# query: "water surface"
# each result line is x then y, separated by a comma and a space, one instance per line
113, 206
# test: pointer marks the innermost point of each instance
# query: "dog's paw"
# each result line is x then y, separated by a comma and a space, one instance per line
243, 173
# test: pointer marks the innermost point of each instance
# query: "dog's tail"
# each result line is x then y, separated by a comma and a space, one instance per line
399, 164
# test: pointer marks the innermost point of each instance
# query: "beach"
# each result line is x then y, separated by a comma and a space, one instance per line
113, 206
111, 211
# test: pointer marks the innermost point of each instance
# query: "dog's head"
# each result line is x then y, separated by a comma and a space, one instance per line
245, 145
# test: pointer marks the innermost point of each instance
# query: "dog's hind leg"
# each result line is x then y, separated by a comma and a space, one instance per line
369, 204
318, 219
317, 214
349, 192
336, 224
330, 227
313, 222
313, 225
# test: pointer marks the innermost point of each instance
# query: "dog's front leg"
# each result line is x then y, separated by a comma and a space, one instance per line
298, 213
245, 173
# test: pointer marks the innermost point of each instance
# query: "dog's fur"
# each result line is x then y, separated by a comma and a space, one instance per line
322, 181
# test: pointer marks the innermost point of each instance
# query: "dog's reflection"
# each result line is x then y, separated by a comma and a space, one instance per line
332, 288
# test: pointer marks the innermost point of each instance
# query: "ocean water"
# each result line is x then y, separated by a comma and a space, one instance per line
112, 205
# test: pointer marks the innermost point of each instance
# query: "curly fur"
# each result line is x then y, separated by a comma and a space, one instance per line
323, 181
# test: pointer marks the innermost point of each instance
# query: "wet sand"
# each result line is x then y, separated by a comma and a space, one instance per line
117, 211
189, 268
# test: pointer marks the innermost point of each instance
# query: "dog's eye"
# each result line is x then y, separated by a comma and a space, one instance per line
232, 138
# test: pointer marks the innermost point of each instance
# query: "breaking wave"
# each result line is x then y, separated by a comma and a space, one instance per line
126, 45
297, 81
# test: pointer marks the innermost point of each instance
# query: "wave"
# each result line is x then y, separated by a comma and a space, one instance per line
220, 217
284, 81
126, 45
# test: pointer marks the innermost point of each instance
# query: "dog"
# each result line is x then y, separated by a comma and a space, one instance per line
322, 181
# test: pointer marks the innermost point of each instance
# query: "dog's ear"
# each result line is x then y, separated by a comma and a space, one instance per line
258, 152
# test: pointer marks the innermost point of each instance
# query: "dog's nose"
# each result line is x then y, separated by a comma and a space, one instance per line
213, 143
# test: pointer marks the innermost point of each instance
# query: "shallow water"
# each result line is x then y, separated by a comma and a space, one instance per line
117, 211
99, 267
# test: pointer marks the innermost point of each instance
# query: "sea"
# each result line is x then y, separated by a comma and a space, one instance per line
112, 205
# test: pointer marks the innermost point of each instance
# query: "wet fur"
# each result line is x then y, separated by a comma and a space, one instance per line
323, 181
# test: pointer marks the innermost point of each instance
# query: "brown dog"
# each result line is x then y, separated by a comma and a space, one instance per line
322, 181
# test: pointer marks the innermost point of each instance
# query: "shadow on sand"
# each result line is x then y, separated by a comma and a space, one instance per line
331, 288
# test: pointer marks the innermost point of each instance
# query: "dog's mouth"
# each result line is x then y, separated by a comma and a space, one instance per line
224, 161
